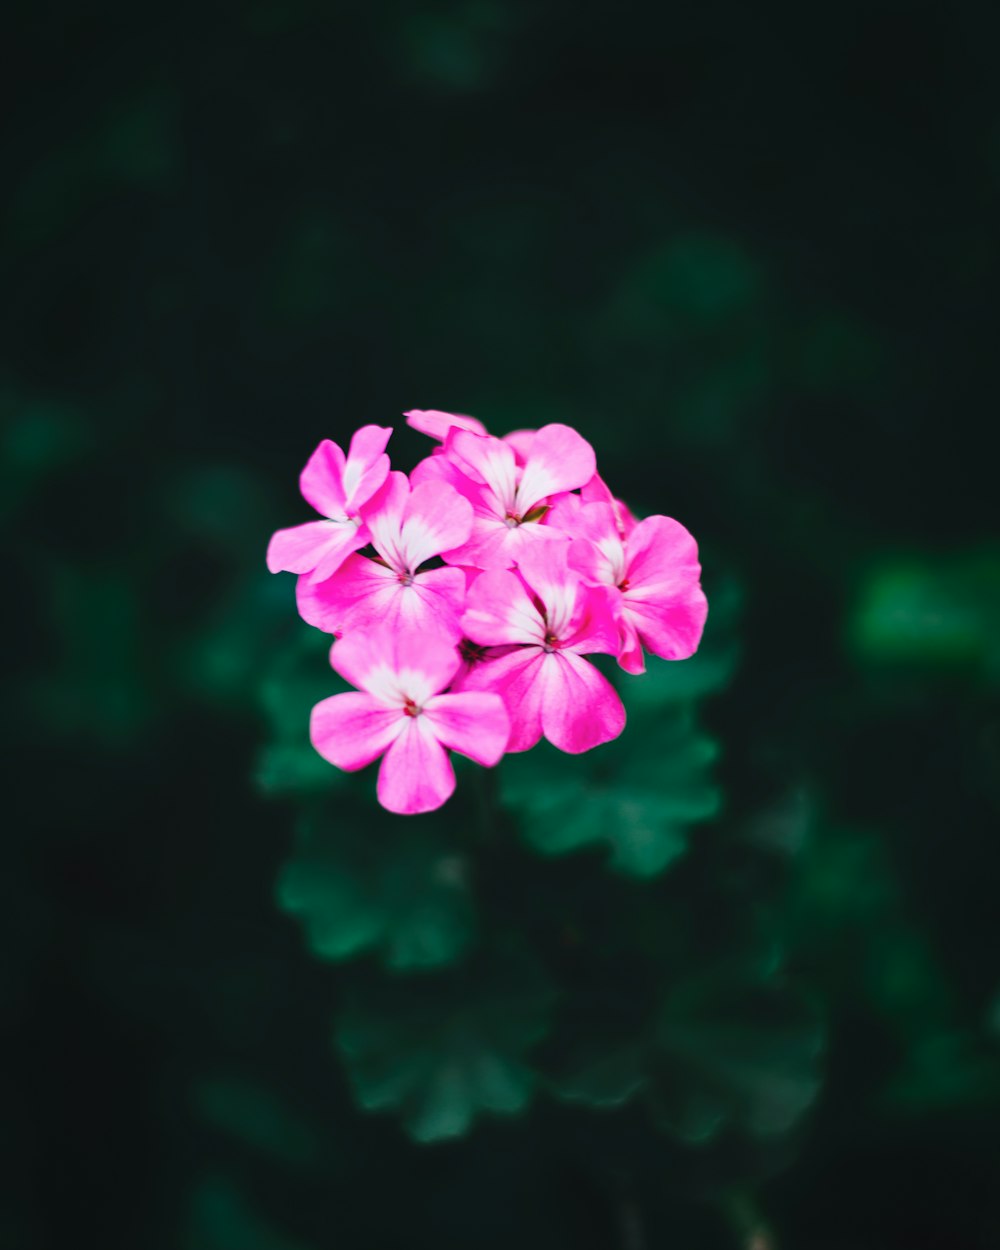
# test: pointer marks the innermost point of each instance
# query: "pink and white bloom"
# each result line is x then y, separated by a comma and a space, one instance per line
407, 528
336, 486
553, 620
509, 498
650, 575
398, 712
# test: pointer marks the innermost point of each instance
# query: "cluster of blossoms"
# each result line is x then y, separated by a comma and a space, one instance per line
494, 568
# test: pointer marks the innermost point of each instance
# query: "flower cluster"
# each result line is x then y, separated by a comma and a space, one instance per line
464, 598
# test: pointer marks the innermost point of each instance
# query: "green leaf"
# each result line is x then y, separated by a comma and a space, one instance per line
378, 882
734, 1047
946, 1071
602, 1078
637, 795
440, 1053
222, 1217
938, 614
254, 1115
298, 679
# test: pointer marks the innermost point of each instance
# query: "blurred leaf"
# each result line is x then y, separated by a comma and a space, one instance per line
734, 1048
941, 614
98, 685
708, 671
221, 1217
846, 916
214, 504
257, 1117
785, 825
39, 437
441, 1052
460, 51
365, 880
602, 1078
693, 282
638, 794
946, 1071
298, 677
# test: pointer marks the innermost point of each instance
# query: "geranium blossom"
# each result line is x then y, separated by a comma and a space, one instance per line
554, 620
407, 528
496, 566
398, 712
649, 572
336, 486
509, 498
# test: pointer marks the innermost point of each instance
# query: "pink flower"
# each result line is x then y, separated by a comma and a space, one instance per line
650, 575
336, 486
547, 687
399, 713
407, 528
509, 497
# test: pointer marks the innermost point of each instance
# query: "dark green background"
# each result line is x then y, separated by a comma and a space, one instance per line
752, 254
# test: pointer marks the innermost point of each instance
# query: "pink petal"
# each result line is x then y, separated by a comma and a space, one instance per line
350, 730
438, 468
474, 724
661, 552
437, 518
499, 610
384, 513
473, 662
559, 459
317, 607
595, 624
597, 490
416, 774
580, 708
487, 460
516, 677
367, 467
331, 603
606, 564
317, 545
544, 567
394, 666
432, 603
521, 441
630, 656
495, 545
321, 481
663, 599
436, 424
442, 593
670, 626
584, 557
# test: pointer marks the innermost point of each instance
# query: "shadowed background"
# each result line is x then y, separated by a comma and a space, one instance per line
751, 255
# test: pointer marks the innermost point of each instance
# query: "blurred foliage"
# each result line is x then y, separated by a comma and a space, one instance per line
937, 614
442, 1052
362, 885
639, 793
639, 799
658, 995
